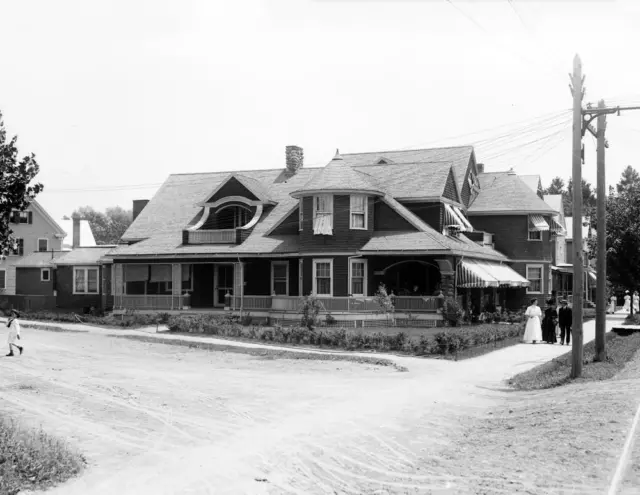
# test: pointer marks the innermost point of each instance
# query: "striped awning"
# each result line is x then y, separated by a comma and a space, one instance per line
453, 216
556, 227
477, 273
537, 222
322, 225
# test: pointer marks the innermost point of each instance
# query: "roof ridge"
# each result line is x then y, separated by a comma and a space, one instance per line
410, 150
443, 162
243, 171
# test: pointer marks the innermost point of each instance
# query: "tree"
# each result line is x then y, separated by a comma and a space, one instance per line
556, 186
630, 178
107, 227
623, 239
588, 199
16, 187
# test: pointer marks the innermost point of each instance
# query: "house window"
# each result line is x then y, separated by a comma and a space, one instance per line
232, 217
322, 277
300, 215
535, 235
358, 277
21, 216
18, 250
3, 279
280, 278
323, 214
45, 275
187, 277
85, 280
358, 211
43, 244
534, 275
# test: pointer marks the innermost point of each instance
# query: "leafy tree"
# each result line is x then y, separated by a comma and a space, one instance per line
16, 187
107, 227
630, 178
623, 240
556, 186
588, 199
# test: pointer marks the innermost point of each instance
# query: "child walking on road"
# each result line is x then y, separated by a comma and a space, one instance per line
14, 332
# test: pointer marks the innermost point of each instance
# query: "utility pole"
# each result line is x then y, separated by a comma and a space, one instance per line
601, 233
578, 93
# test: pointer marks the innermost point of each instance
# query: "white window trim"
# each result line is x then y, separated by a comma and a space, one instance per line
300, 214
86, 279
534, 240
280, 263
4, 279
38, 244
315, 284
364, 282
330, 206
541, 278
42, 272
366, 212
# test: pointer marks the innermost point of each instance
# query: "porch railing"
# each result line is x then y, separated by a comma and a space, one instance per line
157, 302
416, 303
252, 302
223, 236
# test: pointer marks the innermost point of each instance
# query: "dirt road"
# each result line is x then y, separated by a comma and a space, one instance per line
159, 419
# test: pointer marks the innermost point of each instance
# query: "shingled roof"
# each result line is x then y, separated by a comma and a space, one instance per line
458, 156
507, 194
339, 176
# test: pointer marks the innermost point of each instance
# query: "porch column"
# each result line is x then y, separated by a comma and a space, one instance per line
447, 274
118, 284
176, 285
238, 285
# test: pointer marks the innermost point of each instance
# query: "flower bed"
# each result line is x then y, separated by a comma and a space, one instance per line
450, 342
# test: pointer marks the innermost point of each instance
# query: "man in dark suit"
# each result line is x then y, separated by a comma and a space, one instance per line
565, 319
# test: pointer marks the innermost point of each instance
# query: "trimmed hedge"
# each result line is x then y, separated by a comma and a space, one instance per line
135, 320
447, 342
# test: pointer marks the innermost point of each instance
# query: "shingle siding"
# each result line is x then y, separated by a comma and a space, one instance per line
28, 282
430, 213
450, 191
388, 220
289, 225
232, 187
343, 238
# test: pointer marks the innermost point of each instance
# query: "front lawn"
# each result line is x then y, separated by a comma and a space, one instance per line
32, 460
620, 350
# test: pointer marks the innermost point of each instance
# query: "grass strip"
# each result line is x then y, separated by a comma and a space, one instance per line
620, 350
266, 353
33, 460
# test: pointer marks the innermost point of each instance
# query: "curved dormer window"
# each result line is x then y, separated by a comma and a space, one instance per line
233, 216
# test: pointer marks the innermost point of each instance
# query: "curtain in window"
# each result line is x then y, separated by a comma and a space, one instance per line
136, 273
80, 281
92, 280
160, 273
323, 278
280, 279
323, 221
535, 277
357, 277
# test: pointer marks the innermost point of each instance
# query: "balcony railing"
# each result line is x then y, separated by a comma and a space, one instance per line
223, 236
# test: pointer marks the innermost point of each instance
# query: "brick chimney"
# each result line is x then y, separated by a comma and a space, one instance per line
294, 159
480, 167
76, 231
138, 206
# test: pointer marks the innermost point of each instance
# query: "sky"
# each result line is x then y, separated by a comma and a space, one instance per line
112, 97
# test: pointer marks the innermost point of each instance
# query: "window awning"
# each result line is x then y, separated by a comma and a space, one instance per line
453, 217
322, 225
562, 269
537, 222
136, 273
475, 274
556, 227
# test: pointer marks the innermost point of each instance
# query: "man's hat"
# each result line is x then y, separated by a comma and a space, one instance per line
564, 301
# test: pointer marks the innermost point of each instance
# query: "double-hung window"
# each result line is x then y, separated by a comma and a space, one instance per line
323, 277
358, 277
280, 278
45, 275
534, 276
358, 211
19, 248
323, 214
85, 280
43, 244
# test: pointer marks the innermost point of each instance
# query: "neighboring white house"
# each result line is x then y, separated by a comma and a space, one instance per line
86, 234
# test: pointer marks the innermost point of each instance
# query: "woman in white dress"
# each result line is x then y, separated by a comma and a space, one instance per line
612, 305
627, 301
14, 332
636, 302
533, 329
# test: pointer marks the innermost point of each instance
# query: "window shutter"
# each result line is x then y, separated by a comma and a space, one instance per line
30, 217
15, 217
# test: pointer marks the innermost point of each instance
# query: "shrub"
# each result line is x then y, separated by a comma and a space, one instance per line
246, 320
385, 301
452, 311
329, 320
310, 308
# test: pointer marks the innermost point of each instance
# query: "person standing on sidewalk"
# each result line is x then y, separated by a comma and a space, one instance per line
627, 301
565, 319
14, 332
532, 330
